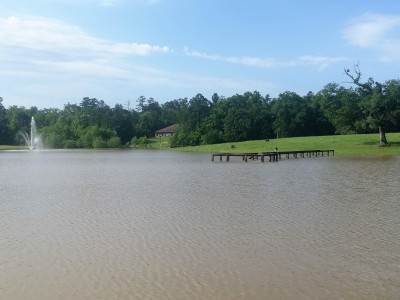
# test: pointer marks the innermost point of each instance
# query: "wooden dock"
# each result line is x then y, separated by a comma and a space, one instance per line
273, 156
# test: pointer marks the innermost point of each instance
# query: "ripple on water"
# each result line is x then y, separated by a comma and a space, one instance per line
165, 225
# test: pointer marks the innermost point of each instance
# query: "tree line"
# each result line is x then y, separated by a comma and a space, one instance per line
364, 107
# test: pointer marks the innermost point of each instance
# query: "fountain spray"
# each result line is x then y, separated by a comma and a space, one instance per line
32, 141
32, 133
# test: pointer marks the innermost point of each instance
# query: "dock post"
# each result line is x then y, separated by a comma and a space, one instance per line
273, 156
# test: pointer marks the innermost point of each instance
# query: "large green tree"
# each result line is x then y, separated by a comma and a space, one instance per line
4, 130
232, 119
318, 123
19, 120
174, 112
190, 129
342, 108
124, 121
380, 102
291, 115
247, 117
149, 117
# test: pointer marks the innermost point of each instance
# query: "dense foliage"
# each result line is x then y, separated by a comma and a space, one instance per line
367, 108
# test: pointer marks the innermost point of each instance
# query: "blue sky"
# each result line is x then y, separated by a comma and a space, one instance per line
57, 51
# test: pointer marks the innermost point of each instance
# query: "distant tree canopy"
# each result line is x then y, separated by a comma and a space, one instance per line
368, 107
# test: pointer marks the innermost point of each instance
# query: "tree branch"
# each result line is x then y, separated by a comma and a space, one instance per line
356, 78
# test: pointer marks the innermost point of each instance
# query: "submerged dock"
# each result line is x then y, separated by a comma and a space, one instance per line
273, 156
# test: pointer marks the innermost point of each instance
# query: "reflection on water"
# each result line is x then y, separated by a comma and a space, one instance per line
166, 225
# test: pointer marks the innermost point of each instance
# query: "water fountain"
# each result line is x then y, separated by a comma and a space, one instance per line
33, 141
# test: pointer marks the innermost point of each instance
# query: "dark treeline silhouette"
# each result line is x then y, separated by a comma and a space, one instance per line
364, 108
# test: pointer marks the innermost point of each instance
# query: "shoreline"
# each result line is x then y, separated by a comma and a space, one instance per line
344, 145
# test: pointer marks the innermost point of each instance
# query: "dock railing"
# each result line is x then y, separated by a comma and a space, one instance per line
273, 156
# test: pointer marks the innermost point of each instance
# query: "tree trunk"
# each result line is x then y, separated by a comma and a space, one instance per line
382, 134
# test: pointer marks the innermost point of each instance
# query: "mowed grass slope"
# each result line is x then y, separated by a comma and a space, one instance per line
357, 144
7, 147
354, 145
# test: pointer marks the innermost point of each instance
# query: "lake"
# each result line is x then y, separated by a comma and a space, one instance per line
133, 224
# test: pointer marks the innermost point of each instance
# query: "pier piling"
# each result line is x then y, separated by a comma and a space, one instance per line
273, 156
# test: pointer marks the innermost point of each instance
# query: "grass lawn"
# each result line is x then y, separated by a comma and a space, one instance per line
7, 147
357, 145
156, 143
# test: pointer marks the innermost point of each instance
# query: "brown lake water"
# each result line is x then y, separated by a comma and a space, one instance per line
169, 225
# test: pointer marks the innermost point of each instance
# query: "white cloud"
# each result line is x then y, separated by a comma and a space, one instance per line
54, 36
320, 62
370, 29
248, 61
45, 53
378, 32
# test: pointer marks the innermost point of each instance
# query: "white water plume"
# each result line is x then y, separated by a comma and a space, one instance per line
33, 141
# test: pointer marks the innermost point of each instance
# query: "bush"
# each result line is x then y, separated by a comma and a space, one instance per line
134, 141
114, 142
52, 140
68, 144
99, 143
143, 142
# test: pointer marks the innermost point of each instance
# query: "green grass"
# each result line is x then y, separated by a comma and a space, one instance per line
355, 145
8, 147
156, 143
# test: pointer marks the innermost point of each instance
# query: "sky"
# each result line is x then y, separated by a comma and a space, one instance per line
54, 52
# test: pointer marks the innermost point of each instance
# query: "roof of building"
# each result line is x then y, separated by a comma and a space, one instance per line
169, 129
